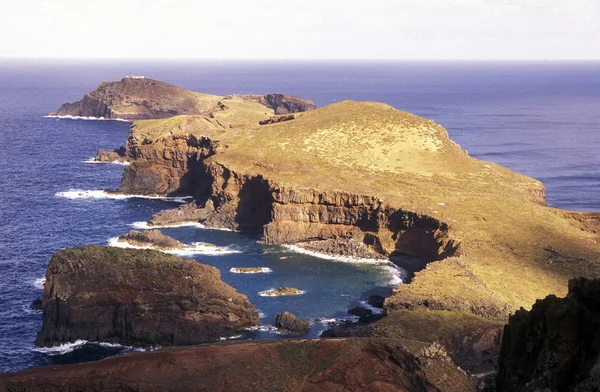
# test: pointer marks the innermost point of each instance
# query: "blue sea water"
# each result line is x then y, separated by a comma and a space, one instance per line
541, 119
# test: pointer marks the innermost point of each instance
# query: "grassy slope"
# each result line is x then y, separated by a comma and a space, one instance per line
409, 163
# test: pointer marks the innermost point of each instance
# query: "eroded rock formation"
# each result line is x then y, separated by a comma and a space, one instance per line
290, 322
153, 238
137, 297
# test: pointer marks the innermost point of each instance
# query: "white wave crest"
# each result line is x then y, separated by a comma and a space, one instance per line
69, 117
234, 337
266, 328
93, 161
145, 226
394, 272
194, 249
268, 293
99, 194
39, 283
66, 348
263, 270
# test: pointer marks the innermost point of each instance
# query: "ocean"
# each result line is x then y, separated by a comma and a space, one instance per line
541, 119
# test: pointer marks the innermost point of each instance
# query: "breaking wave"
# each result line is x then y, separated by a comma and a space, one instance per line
145, 226
263, 270
394, 272
39, 283
100, 194
195, 248
66, 348
93, 161
69, 117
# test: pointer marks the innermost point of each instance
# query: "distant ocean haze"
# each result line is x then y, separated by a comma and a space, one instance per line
540, 119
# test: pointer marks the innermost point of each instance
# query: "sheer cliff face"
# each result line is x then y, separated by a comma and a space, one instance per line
143, 98
556, 345
387, 178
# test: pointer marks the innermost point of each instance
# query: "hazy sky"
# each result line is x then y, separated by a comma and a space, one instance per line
293, 29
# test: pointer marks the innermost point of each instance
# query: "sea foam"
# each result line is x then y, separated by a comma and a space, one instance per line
145, 226
69, 117
93, 161
66, 348
394, 272
100, 194
39, 283
195, 248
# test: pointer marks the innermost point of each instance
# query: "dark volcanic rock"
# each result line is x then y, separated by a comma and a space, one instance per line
36, 304
151, 237
362, 313
317, 365
290, 322
556, 345
137, 297
376, 301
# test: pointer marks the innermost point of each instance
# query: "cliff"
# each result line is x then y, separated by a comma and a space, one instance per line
144, 98
137, 297
484, 239
292, 365
556, 345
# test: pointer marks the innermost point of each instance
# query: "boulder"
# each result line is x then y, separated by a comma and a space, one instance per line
290, 322
36, 304
362, 313
137, 297
152, 238
376, 301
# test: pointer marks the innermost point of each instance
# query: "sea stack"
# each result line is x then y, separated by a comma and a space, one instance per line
138, 297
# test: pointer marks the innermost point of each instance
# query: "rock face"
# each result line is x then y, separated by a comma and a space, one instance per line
367, 365
152, 238
117, 155
137, 297
556, 345
290, 322
143, 98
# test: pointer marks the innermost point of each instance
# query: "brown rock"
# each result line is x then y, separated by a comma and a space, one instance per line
137, 297
117, 155
152, 238
282, 291
289, 322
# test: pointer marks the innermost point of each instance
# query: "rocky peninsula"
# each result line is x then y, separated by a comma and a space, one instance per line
137, 297
136, 98
357, 178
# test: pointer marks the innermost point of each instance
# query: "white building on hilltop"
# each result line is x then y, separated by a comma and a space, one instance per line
132, 76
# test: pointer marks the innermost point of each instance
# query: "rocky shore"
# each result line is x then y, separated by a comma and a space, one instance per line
138, 298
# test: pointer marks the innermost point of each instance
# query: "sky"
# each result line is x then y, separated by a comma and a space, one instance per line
294, 29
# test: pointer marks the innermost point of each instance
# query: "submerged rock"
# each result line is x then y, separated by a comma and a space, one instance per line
281, 292
290, 322
137, 297
152, 238
36, 304
556, 345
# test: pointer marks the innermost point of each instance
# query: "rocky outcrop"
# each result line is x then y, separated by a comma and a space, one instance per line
556, 345
139, 98
153, 238
280, 103
291, 365
290, 322
114, 156
347, 247
186, 213
134, 98
137, 297
281, 291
